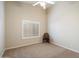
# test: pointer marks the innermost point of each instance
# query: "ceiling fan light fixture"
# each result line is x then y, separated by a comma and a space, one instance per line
43, 3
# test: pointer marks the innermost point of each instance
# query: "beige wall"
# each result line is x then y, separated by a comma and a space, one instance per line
63, 24
15, 14
2, 29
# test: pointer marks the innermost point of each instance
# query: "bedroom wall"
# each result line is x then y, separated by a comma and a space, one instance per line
15, 14
63, 24
2, 29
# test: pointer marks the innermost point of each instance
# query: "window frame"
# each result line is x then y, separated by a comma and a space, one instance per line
33, 22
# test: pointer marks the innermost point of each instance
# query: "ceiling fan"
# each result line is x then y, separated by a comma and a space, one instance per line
43, 3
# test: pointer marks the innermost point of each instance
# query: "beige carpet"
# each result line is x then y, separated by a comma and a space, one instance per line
42, 50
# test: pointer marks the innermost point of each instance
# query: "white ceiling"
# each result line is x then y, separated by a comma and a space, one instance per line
31, 3
27, 2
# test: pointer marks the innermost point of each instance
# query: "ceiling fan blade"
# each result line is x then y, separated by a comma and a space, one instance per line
50, 2
36, 3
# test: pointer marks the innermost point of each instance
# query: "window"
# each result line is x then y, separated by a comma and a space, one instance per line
30, 29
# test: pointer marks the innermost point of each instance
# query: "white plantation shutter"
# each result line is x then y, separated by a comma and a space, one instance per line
30, 29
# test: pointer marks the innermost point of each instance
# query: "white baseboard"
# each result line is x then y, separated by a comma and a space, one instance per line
21, 45
56, 43
2, 53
